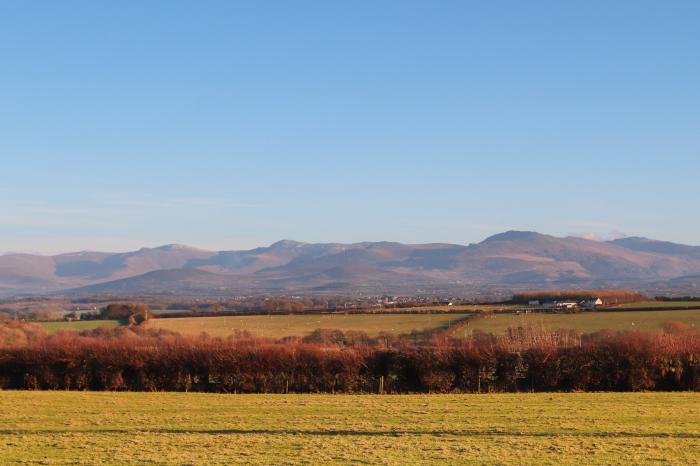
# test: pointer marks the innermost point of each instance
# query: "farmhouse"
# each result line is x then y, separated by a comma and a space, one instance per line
591, 303
570, 304
566, 305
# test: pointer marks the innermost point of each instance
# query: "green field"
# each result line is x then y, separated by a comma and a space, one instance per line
182, 428
161, 312
278, 326
79, 324
652, 304
586, 322
456, 308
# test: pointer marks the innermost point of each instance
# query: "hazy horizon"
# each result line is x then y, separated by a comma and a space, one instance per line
232, 125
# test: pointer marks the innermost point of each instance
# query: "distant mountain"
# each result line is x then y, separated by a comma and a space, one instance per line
661, 247
25, 273
164, 281
514, 259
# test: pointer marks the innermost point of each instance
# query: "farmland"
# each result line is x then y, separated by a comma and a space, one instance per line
278, 326
190, 428
79, 324
664, 304
404, 321
586, 322
456, 308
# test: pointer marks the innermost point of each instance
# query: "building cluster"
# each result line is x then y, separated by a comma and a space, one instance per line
567, 305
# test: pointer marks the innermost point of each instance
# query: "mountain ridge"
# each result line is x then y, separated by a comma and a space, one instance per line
509, 259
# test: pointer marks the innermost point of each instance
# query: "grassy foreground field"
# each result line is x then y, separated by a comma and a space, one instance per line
278, 326
586, 322
182, 428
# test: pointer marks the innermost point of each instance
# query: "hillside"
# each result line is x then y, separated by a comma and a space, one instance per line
163, 281
512, 259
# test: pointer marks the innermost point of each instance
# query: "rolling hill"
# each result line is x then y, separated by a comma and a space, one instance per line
514, 259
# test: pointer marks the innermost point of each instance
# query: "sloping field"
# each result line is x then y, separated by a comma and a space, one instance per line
79, 324
586, 322
190, 428
276, 326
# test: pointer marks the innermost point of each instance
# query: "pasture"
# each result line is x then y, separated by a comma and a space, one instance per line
79, 324
195, 428
456, 308
278, 326
586, 322
664, 304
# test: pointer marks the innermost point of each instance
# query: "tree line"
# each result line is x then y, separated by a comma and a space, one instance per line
520, 361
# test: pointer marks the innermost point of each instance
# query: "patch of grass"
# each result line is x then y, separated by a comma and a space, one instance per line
277, 326
457, 308
195, 428
652, 304
586, 322
79, 324
161, 312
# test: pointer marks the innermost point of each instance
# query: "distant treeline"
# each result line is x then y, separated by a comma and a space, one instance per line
609, 297
522, 360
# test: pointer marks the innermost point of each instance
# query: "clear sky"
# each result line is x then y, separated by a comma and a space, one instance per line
235, 124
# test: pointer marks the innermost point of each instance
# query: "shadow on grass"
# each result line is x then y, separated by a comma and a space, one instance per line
358, 433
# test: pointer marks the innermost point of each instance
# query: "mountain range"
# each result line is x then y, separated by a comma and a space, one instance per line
515, 259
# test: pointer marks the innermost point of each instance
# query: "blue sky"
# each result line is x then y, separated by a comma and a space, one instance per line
235, 124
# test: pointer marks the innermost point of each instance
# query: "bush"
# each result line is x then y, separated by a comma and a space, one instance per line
134, 313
